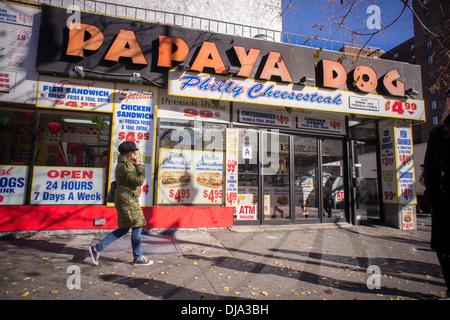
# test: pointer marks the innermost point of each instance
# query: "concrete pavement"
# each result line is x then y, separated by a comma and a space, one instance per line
332, 262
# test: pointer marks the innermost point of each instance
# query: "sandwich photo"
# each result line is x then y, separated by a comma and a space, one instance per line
171, 179
210, 179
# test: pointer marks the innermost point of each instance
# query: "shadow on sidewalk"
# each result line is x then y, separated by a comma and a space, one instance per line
163, 290
78, 255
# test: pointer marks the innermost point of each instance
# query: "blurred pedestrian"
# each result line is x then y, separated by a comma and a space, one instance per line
437, 190
130, 174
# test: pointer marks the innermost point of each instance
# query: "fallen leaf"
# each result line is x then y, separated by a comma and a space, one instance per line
226, 289
328, 291
54, 291
25, 294
264, 293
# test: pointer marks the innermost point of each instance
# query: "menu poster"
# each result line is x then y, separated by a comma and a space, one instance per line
75, 94
175, 180
404, 162
387, 154
232, 167
194, 177
209, 175
63, 185
19, 36
408, 218
12, 184
264, 118
134, 120
320, 122
280, 202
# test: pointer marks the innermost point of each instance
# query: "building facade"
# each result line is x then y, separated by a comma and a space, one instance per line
231, 129
429, 49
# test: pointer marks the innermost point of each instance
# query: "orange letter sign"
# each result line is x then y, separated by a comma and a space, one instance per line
77, 44
392, 85
247, 60
334, 75
166, 53
275, 66
209, 56
365, 79
126, 45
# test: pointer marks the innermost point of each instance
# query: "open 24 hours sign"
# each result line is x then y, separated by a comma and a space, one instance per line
61, 185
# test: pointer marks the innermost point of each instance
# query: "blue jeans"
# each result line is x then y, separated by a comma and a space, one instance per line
116, 234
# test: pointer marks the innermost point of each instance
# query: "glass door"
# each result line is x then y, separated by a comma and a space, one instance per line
305, 162
288, 178
333, 180
364, 170
275, 164
247, 210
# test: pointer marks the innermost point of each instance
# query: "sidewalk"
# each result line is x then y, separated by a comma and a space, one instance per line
276, 263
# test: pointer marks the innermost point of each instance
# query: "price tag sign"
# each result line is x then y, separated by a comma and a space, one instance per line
387, 154
232, 167
397, 167
180, 195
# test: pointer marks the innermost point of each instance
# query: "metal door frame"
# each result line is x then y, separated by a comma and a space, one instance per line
318, 186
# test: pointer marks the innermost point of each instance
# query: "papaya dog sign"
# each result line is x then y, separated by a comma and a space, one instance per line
242, 69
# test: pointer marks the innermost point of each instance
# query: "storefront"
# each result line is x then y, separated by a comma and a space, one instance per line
231, 130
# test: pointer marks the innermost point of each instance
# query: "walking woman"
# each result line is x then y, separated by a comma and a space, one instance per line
130, 174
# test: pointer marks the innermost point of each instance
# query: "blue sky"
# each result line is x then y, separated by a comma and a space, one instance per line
306, 17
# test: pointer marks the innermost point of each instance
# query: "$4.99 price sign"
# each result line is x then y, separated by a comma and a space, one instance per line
400, 107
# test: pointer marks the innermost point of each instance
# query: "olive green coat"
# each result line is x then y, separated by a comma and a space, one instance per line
126, 199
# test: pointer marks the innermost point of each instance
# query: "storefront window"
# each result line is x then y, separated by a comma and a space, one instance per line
71, 158
191, 162
16, 129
